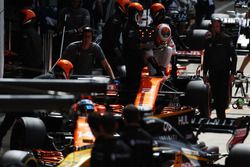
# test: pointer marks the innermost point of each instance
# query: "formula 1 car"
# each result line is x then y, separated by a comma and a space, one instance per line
157, 94
171, 149
53, 140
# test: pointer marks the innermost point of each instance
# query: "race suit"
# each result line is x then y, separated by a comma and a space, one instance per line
162, 54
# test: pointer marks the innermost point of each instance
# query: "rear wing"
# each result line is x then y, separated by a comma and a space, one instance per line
193, 56
238, 127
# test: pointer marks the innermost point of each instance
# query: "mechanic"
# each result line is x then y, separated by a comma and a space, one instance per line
220, 63
30, 46
158, 15
136, 54
203, 10
139, 140
110, 42
164, 48
83, 55
62, 70
73, 18
108, 150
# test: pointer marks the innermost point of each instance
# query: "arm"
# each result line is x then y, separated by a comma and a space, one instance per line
233, 60
233, 57
154, 63
101, 57
205, 65
107, 68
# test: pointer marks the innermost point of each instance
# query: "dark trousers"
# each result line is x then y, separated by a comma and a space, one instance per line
219, 81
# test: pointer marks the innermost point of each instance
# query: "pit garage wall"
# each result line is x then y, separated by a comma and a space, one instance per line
1, 38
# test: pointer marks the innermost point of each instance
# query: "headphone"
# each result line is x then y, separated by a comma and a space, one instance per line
217, 19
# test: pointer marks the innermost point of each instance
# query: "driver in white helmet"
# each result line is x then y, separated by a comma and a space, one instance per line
164, 48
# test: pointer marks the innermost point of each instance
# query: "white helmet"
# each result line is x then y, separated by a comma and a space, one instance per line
163, 34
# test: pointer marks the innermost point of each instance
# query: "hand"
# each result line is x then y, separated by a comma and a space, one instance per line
232, 78
205, 79
165, 78
187, 48
115, 81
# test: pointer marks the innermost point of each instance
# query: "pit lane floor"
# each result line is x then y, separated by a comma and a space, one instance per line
211, 139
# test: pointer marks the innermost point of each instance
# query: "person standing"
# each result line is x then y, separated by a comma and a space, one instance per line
110, 42
74, 18
83, 55
203, 10
30, 48
136, 53
219, 66
132, 51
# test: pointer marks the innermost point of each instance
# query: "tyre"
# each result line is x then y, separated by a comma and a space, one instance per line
220, 15
205, 24
196, 39
239, 156
28, 133
18, 158
198, 95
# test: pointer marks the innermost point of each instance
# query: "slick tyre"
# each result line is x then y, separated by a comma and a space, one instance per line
239, 156
205, 24
196, 39
28, 133
197, 95
18, 158
220, 15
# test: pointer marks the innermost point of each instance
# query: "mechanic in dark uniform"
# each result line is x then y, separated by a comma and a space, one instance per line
83, 55
139, 140
220, 63
74, 18
62, 70
136, 53
111, 34
158, 15
108, 150
132, 51
30, 46
203, 10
